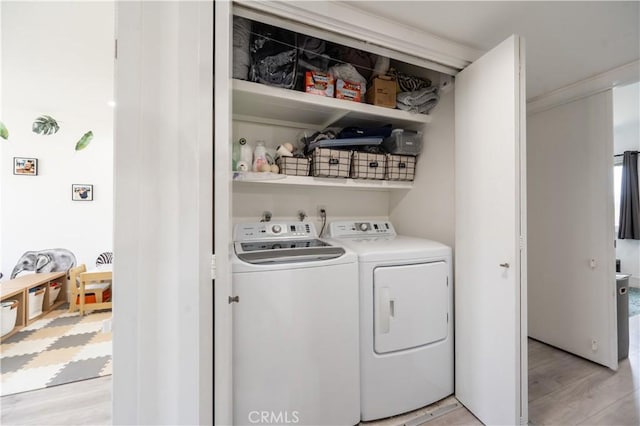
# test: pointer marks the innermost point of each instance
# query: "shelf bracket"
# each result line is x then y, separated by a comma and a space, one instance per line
335, 117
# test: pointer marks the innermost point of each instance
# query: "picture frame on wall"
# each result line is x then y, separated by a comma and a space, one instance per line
81, 192
25, 166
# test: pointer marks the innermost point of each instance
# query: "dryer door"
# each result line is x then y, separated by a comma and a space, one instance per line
410, 305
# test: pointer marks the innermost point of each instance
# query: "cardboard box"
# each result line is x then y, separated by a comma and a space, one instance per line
382, 92
348, 90
319, 83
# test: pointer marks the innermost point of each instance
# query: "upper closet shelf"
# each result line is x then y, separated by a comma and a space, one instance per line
260, 103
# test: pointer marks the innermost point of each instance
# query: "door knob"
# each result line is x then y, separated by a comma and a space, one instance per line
504, 265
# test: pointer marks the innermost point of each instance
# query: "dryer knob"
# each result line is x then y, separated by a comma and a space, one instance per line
276, 229
364, 226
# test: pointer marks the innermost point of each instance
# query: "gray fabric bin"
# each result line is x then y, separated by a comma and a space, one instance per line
622, 296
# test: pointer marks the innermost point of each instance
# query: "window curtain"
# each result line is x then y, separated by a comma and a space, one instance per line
629, 204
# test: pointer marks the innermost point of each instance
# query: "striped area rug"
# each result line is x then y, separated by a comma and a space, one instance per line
59, 348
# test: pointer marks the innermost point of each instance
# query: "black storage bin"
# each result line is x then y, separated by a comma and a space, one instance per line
273, 56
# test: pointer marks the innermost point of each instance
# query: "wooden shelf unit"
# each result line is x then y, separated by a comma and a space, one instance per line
18, 289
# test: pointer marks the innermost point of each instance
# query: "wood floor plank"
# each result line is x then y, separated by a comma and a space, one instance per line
578, 401
458, 417
625, 412
87, 402
548, 377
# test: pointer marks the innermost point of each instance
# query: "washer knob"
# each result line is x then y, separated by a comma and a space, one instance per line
276, 229
364, 226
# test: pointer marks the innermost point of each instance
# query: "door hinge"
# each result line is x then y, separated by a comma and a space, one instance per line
234, 299
115, 51
213, 266
447, 317
522, 242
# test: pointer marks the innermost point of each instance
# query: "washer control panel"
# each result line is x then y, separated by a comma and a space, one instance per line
261, 231
361, 228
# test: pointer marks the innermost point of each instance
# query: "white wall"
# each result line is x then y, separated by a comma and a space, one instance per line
570, 212
430, 211
626, 137
57, 59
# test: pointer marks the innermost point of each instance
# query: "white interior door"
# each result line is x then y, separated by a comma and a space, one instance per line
490, 273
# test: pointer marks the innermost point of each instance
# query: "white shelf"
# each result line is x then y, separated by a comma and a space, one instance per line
260, 103
344, 183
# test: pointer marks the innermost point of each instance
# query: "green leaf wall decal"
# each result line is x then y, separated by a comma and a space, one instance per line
84, 141
45, 125
4, 133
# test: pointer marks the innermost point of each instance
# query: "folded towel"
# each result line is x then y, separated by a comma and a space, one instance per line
420, 109
418, 97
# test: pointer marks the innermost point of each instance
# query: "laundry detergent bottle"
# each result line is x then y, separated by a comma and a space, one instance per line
259, 156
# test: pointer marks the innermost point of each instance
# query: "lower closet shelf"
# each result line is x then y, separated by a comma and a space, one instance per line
345, 183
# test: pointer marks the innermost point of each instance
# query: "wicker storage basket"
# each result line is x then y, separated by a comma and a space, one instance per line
294, 166
368, 166
327, 162
401, 167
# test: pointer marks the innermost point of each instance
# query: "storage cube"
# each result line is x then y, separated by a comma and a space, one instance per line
401, 167
404, 142
9, 315
36, 299
54, 290
327, 162
294, 166
366, 165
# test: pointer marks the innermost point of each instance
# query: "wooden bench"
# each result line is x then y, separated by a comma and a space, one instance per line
18, 289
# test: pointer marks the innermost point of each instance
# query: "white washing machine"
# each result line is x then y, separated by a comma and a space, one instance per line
295, 327
406, 318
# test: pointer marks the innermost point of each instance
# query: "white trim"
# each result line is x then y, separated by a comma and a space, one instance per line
625, 74
337, 18
521, 120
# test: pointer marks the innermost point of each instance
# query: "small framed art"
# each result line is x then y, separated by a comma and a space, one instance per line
81, 192
25, 166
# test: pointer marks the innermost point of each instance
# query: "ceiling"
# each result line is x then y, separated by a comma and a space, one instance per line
565, 41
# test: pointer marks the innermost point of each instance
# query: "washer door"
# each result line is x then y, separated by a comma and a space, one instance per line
410, 306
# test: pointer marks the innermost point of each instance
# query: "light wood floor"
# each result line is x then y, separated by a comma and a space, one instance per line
563, 390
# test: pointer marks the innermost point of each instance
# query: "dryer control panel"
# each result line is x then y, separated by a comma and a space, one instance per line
361, 228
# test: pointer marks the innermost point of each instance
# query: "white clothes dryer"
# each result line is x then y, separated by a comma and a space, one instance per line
295, 327
406, 317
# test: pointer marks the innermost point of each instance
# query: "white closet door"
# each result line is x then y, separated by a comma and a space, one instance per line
490, 274
222, 324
